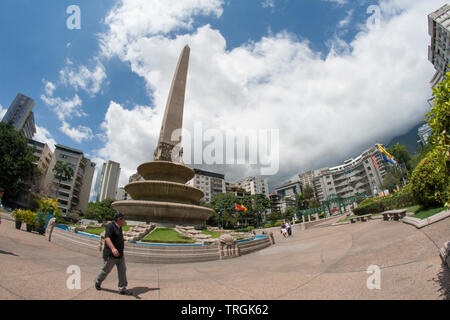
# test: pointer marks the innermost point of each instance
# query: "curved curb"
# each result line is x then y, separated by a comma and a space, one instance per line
420, 223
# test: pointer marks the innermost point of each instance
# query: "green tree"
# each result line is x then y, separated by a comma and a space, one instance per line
16, 162
225, 203
300, 202
308, 192
422, 152
430, 180
63, 172
100, 211
289, 213
401, 155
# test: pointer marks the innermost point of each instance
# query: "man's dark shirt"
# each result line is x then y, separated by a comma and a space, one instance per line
113, 232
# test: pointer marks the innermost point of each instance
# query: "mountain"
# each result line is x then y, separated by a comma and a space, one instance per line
409, 140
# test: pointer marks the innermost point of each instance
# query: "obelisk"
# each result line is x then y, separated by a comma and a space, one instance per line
173, 115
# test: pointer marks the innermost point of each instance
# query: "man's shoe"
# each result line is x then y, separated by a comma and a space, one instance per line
97, 286
125, 292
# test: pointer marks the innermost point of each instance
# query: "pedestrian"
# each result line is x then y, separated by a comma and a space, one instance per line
113, 254
289, 229
283, 229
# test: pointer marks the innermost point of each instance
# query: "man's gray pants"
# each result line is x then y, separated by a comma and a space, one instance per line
121, 270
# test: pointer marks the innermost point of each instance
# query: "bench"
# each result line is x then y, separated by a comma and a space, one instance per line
360, 218
364, 217
395, 215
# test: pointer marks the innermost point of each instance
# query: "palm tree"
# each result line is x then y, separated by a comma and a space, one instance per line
62, 171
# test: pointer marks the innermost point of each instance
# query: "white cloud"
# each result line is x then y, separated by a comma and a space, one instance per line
65, 108
42, 135
2, 111
131, 136
49, 88
268, 3
77, 134
346, 21
90, 81
365, 91
339, 2
133, 19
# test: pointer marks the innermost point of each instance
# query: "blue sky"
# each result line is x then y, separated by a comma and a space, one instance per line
267, 47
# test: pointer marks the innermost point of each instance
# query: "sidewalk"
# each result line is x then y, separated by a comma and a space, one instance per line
317, 263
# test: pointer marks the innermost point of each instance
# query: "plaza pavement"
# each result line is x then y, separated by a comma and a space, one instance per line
324, 262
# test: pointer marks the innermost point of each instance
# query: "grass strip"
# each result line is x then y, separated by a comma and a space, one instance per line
166, 235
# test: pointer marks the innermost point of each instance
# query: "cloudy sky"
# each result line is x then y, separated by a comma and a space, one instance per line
332, 76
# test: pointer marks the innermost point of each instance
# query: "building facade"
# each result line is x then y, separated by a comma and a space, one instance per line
210, 183
424, 133
363, 174
275, 203
255, 185
44, 157
236, 190
439, 50
21, 114
108, 180
72, 194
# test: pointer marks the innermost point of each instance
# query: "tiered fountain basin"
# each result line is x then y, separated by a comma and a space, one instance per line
164, 198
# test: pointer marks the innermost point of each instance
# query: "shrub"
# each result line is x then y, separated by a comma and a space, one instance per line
30, 217
250, 228
369, 208
278, 223
429, 183
18, 215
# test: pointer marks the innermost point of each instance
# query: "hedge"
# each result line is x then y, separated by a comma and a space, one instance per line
397, 200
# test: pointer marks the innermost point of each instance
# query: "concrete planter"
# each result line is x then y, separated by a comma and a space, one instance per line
420, 223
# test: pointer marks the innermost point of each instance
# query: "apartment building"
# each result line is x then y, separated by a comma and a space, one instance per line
364, 174
439, 49
74, 193
255, 185
210, 183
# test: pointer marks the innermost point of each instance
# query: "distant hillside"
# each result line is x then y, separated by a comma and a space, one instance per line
409, 139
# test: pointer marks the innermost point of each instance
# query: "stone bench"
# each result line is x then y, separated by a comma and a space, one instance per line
395, 215
360, 218
364, 217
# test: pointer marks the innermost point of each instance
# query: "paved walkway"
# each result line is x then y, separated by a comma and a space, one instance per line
318, 263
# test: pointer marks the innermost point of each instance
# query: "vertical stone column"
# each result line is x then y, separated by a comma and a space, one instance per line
317, 216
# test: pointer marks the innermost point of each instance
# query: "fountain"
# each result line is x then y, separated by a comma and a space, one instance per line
163, 197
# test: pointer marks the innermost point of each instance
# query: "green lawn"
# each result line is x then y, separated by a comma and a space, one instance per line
98, 231
213, 234
166, 235
414, 209
424, 213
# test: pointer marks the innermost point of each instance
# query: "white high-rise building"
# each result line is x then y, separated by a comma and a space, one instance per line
439, 50
108, 180
210, 183
255, 185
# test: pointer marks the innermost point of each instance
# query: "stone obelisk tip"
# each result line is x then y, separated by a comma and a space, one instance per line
173, 116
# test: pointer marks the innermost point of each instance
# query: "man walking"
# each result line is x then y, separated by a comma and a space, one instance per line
113, 254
